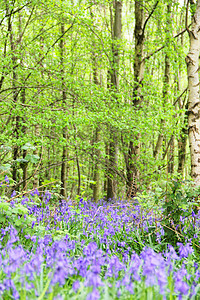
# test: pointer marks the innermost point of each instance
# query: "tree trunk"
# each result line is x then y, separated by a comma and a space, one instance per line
96, 189
35, 152
170, 156
134, 145
25, 164
105, 185
192, 61
166, 82
97, 137
165, 98
113, 147
64, 131
64, 166
15, 98
182, 142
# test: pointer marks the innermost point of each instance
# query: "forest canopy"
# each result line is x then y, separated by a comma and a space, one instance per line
94, 95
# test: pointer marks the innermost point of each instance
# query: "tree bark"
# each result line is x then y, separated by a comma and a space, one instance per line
96, 189
97, 135
35, 152
170, 156
166, 82
192, 61
134, 145
113, 146
165, 96
64, 131
182, 152
182, 140
15, 98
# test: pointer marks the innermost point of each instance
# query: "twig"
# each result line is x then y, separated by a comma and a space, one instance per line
163, 46
186, 17
149, 16
34, 171
27, 192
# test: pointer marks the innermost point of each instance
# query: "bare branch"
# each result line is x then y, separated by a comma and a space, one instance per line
29, 18
177, 99
14, 12
186, 17
163, 46
149, 16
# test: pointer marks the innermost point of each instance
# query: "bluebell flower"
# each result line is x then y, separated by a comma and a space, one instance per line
184, 251
90, 249
13, 194
93, 280
76, 285
94, 295
6, 179
2, 289
182, 287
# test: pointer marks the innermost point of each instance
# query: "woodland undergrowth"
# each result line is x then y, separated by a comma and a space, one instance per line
144, 248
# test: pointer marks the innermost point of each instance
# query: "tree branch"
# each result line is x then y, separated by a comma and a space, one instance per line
162, 47
177, 99
14, 12
149, 16
186, 17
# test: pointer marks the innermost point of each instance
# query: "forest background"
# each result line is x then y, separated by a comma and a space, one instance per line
94, 95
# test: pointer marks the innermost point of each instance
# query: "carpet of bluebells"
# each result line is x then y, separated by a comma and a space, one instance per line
94, 251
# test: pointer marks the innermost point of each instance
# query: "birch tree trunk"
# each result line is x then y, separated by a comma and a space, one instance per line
192, 61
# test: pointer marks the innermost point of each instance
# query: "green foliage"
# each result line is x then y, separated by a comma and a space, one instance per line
180, 201
17, 216
180, 198
46, 89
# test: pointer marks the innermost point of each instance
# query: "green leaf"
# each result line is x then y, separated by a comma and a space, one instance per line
28, 146
32, 158
18, 222
5, 167
2, 218
4, 206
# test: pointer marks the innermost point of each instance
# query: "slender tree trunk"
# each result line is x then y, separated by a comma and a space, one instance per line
25, 164
35, 152
166, 82
96, 189
64, 165
160, 139
113, 146
97, 137
192, 61
105, 185
48, 170
134, 145
170, 156
64, 131
182, 142
79, 173
15, 98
